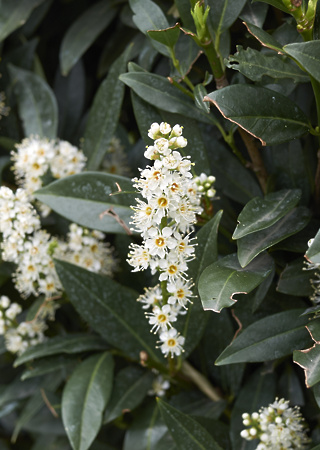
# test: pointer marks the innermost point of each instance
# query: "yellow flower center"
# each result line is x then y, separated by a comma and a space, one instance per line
171, 342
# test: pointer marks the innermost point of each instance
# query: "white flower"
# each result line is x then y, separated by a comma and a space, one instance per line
161, 318
172, 342
151, 297
159, 386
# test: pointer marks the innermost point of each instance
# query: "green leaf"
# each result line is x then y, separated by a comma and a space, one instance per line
308, 55
167, 37
254, 65
233, 179
264, 38
199, 93
259, 390
223, 13
70, 344
83, 32
48, 365
309, 360
220, 281
254, 13
84, 399
14, 14
259, 213
130, 387
294, 280
206, 253
252, 245
314, 330
272, 119
102, 121
277, 3
269, 338
110, 309
149, 16
37, 105
85, 198
158, 91
313, 252
186, 432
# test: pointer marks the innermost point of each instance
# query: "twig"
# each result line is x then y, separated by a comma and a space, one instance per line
201, 381
50, 407
111, 213
238, 322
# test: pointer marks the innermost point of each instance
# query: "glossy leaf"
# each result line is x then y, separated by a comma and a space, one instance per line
14, 14
233, 179
269, 338
130, 387
259, 390
223, 13
254, 65
149, 16
186, 432
70, 344
85, 198
199, 93
273, 119
309, 360
48, 365
167, 37
307, 54
102, 121
264, 38
158, 91
294, 280
252, 245
259, 213
84, 398
110, 308
83, 32
277, 3
206, 253
220, 281
314, 330
254, 13
313, 252
37, 105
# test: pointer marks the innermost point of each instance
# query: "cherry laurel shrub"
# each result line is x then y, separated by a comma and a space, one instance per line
160, 225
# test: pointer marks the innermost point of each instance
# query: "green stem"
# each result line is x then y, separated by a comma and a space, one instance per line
201, 382
183, 89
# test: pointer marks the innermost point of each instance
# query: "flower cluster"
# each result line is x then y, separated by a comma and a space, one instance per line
205, 185
277, 427
32, 250
165, 219
35, 157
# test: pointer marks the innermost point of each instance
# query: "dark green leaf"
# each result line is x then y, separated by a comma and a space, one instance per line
309, 360
145, 114
187, 52
294, 280
167, 37
272, 119
85, 198
277, 3
259, 390
72, 343
206, 253
47, 365
186, 432
130, 387
254, 65
269, 338
110, 309
252, 245
259, 213
158, 91
149, 16
260, 294
264, 38
84, 399
313, 252
223, 13
308, 55
37, 105
83, 33
314, 329
102, 121
254, 13
199, 93
233, 179
14, 14
220, 281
